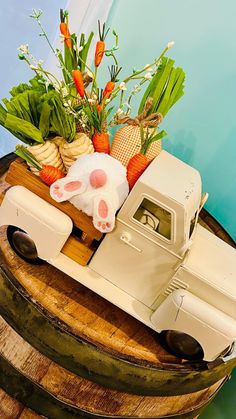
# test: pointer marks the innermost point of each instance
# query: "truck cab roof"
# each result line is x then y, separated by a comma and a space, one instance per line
175, 179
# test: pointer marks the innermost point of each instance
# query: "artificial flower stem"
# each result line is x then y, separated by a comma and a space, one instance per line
94, 84
50, 45
140, 71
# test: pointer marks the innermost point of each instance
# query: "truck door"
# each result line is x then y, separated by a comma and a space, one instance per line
134, 257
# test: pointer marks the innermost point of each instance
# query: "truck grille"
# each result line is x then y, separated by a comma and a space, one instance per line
176, 284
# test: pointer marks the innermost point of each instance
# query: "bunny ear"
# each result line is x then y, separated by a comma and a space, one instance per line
65, 188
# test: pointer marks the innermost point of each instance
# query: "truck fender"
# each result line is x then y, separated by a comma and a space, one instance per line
47, 226
184, 312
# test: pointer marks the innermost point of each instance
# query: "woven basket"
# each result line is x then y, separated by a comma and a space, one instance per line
127, 143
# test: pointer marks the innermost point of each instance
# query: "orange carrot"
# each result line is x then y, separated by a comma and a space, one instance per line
139, 162
114, 71
99, 107
78, 80
100, 45
66, 33
100, 48
49, 174
136, 166
108, 89
101, 142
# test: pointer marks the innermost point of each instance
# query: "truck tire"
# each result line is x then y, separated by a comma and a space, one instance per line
181, 345
23, 245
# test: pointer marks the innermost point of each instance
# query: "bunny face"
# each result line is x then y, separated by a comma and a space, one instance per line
97, 185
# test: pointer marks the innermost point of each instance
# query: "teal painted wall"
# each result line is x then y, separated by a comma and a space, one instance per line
202, 126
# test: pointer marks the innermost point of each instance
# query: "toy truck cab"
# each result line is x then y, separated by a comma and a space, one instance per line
157, 264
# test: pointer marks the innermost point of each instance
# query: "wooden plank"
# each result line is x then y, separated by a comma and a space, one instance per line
55, 392
77, 250
3, 188
19, 174
12, 409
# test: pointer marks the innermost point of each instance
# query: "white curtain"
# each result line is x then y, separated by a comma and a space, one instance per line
83, 18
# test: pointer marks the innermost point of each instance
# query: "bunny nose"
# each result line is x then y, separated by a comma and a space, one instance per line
98, 178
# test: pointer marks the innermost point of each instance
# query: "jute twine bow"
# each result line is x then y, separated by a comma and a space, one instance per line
152, 120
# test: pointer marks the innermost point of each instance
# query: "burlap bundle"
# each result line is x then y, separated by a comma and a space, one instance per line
70, 152
127, 140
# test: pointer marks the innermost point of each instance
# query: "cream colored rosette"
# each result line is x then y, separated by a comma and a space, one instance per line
48, 154
72, 151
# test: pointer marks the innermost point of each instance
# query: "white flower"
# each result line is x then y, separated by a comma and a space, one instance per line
127, 104
119, 112
108, 100
67, 104
148, 68
33, 67
148, 76
90, 74
136, 89
24, 49
170, 44
90, 100
122, 86
64, 91
80, 49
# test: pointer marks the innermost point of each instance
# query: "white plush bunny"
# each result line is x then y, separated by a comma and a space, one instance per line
96, 184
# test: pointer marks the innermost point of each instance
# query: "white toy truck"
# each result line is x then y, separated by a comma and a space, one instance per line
158, 264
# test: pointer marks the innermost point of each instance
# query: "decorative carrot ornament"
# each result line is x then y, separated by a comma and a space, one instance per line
78, 80
114, 71
97, 116
101, 142
139, 162
48, 174
100, 45
64, 29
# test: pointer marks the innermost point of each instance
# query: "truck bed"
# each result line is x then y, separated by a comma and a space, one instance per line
83, 241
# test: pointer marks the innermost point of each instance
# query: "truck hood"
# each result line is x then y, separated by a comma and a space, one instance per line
213, 260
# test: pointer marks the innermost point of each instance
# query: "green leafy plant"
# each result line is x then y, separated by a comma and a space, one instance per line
32, 113
165, 88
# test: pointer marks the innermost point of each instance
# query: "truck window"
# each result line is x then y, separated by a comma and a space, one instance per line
154, 217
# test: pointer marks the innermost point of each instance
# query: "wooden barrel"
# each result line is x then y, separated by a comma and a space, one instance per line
91, 349
55, 392
10, 408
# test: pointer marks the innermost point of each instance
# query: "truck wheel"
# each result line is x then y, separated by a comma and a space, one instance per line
181, 345
23, 245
